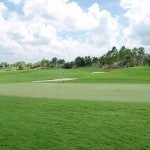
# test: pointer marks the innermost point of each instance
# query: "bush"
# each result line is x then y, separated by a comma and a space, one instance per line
68, 65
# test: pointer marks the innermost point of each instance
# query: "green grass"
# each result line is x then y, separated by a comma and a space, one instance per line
41, 124
84, 75
80, 91
98, 111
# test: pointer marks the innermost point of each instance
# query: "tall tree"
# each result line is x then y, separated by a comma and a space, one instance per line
88, 61
141, 53
95, 60
54, 61
135, 56
80, 62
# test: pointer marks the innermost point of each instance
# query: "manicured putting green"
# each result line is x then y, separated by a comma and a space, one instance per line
79, 91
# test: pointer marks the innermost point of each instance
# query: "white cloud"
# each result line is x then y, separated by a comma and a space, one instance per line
107, 28
3, 9
64, 16
16, 2
138, 13
35, 34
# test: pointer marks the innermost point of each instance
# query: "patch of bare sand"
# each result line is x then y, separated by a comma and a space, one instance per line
54, 80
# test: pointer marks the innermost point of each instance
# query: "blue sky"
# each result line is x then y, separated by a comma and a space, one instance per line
12, 6
113, 6
37, 29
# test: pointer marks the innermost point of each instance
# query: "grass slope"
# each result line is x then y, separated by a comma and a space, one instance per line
84, 75
40, 124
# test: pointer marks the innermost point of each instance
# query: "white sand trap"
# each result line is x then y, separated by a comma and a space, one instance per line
98, 72
55, 80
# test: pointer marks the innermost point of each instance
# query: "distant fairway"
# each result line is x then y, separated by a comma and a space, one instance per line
84, 75
106, 111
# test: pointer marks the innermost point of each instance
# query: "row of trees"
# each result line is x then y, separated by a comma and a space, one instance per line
125, 57
114, 58
43, 64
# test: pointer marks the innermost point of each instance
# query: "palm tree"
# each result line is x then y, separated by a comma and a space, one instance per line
135, 56
141, 53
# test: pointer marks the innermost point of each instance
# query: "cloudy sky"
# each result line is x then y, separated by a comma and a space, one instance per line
34, 29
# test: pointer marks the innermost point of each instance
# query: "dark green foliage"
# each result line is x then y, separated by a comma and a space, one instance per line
80, 62
146, 60
88, 61
4, 65
61, 61
68, 65
45, 63
21, 65
124, 57
114, 58
95, 60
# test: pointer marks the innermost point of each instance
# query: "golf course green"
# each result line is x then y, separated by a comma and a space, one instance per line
101, 109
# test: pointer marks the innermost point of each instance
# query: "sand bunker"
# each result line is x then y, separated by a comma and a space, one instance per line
98, 72
55, 80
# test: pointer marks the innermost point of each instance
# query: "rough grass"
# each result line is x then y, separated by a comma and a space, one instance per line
84, 75
28, 123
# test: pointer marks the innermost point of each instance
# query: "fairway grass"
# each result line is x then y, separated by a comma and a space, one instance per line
80, 91
43, 124
84, 75
101, 111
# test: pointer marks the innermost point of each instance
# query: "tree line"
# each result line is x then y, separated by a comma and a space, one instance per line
114, 58
125, 57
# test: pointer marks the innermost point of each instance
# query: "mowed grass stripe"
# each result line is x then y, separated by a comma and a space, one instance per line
28, 123
80, 91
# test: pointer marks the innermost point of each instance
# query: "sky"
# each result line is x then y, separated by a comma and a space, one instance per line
31, 30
